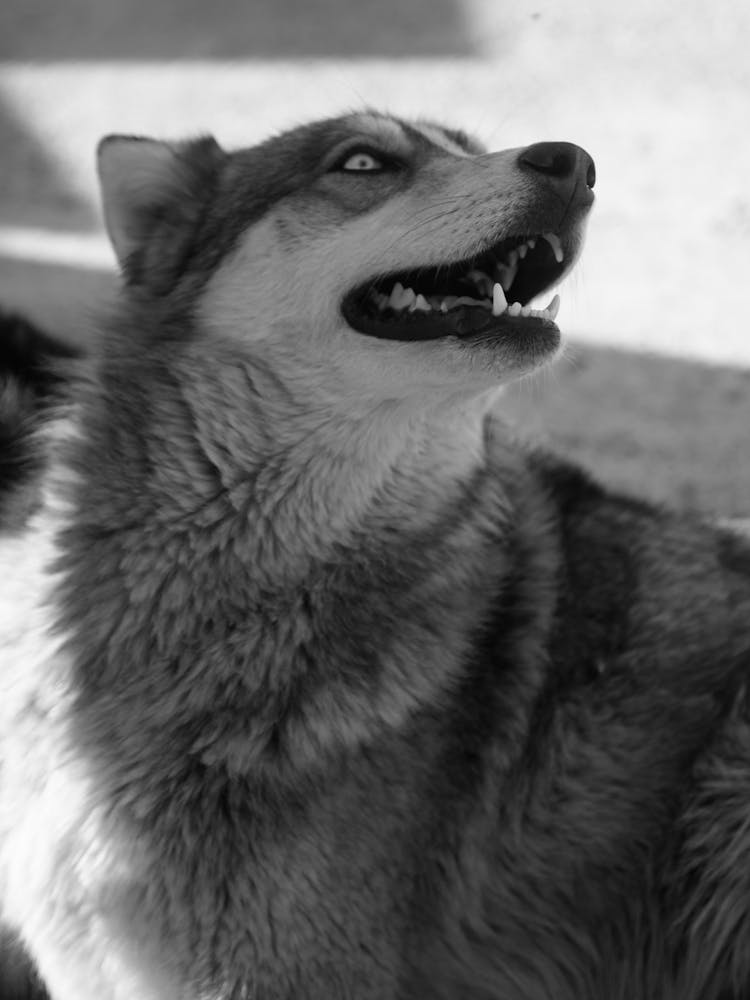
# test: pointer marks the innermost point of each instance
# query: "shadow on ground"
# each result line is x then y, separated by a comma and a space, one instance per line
41, 30
669, 430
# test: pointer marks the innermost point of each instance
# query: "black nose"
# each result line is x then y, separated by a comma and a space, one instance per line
567, 166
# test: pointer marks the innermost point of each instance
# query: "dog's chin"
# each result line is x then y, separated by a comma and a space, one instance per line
505, 352
447, 363
513, 345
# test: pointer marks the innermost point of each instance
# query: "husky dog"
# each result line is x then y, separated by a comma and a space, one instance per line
313, 683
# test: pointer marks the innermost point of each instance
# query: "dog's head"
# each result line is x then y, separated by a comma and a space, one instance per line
388, 257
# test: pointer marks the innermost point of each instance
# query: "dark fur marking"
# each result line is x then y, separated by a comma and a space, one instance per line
32, 378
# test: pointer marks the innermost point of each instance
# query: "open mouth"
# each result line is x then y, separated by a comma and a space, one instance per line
488, 293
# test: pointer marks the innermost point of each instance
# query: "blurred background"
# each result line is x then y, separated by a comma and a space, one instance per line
653, 390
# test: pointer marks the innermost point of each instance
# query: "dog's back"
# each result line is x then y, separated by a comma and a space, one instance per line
316, 684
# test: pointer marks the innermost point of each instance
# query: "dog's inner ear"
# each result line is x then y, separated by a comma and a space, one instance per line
153, 194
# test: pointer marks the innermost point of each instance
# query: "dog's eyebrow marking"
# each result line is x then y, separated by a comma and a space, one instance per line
438, 137
383, 128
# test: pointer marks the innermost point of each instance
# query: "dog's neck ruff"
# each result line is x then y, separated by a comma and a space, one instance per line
265, 578
307, 471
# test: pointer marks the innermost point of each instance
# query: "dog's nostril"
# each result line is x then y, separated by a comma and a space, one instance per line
561, 161
555, 158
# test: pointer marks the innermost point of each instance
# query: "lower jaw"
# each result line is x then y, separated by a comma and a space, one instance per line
467, 325
519, 344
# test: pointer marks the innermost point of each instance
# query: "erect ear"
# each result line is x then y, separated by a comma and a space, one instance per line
152, 194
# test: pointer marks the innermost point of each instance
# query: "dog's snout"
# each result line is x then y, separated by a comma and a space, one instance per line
566, 165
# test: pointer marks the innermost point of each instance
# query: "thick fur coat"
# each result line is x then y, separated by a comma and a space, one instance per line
314, 683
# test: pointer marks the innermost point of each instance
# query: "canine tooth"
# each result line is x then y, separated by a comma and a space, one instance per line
522, 251
420, 303
554, 242
499, 302
514, 309
553, 307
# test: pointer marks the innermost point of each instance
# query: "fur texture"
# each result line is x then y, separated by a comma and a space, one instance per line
312, 682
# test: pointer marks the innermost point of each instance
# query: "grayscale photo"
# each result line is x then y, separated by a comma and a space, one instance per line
374, 500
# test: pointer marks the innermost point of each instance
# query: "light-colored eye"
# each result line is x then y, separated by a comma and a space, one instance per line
363, 162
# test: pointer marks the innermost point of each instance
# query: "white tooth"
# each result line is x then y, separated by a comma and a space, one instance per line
554, 242
400, 297
522, 250
514, 309
532, 243
553, 307
499, 303
420, 303
407, 298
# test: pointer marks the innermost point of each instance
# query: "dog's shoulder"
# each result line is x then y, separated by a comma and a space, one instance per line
633, 576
